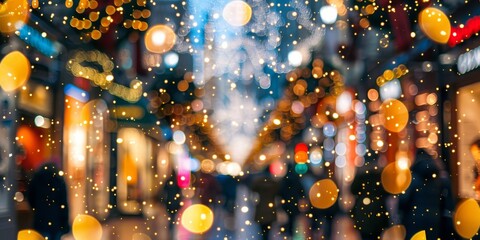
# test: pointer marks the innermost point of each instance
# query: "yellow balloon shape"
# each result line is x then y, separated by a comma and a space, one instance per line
29, 234
140, 236
86, 227
467, 218
394, 232
237, 13
394, 115
323, 193
12, 14
422, 235
14, 71
435, 24
160, 39
197, 218
395, 179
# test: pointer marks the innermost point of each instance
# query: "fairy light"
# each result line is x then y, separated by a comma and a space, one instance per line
103, 79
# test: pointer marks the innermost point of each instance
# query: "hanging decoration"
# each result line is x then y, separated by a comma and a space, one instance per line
103, 78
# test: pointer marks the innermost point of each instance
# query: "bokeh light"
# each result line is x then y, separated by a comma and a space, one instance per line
197, 218
329, 129
422, 235
316, 156
171, 59
323, 194
301, 168
29, 234
394, 114
179, 137
435, 24
301, 157
13, 14
467, 218
86, 227
328, 14
14, 71
301, 147
396, 179
160, 39
394, 232
237, 13
295, 58
278, 168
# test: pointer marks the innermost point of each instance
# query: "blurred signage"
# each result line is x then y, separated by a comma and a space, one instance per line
128, 112
468, 61
36, 99
76, 93
38, 41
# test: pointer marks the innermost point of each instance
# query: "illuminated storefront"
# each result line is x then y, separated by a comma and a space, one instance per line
86, 153
140, 171
462, 116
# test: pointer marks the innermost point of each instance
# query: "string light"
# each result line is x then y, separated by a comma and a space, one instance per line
103, 79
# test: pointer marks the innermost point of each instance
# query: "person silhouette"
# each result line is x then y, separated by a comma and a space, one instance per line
291, 192
265, 210
47, 195
171, 197
425, 200
369, 213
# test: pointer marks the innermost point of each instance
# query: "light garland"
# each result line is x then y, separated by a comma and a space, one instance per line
103, 79
97, 18
388, 75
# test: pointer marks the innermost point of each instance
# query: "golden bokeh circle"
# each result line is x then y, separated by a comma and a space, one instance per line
323, 194
237, 13
86, 227
96, 34
388, 75
466, 219
29, 234
160, 39
14, 71
13, 13
396, 179
197, 218
301, 157
421, 235
394, 115
435, 24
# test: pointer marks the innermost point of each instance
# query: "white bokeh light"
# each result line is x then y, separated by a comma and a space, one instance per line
158, 38
179, 137
295, 58
171, 59
328, 14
